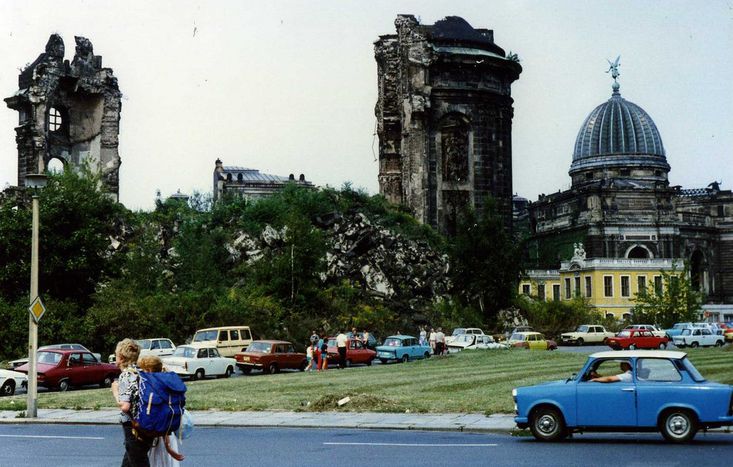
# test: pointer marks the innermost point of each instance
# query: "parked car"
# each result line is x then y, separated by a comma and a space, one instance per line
648, 327
677, 329
63, 369
518, 329
666, 393
270, 357
531, 341
402, 348
228, 340
698, 337
461, 331
586, 333
160, 346
474, 342
356, 352
372, 341
21, 361
10, 381
728, 335
199, 361
637, 339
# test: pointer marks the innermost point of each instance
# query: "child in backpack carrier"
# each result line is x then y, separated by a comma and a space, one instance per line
157, 456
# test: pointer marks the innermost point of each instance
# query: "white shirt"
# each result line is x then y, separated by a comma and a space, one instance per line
433, 336
625, 377
341, 340
440, 337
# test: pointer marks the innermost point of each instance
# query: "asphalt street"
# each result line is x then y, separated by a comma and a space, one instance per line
90, 445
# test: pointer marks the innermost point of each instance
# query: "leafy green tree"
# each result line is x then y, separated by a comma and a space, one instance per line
677, 302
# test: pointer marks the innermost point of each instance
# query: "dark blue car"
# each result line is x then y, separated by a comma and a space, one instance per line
661, 391
402, 348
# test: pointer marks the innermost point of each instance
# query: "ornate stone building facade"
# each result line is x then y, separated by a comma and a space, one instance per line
622, 208
444, 119
250, 183
69, 112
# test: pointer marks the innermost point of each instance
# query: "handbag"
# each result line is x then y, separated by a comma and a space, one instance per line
186, 428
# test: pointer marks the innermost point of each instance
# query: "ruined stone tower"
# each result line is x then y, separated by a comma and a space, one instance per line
68, 111
444, 119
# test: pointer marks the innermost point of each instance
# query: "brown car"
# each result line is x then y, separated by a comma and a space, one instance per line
270, 357
62, 369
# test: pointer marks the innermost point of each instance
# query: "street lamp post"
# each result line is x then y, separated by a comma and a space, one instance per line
35, 182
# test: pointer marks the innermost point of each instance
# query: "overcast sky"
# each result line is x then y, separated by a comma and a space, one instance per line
290, 86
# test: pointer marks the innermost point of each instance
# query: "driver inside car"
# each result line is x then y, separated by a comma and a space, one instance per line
624, 377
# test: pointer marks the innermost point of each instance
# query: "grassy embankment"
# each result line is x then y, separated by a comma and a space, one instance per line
469, 382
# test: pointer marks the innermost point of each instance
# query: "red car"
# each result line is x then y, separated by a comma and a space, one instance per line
356, 352
270, 357
637, 339
62, 369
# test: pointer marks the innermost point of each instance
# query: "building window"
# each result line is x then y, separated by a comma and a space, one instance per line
625, 289
608, 286
541, 291
577, 286
54, 119
641, 285
568, 293
556, 292
588, 287
526, 289
240, 178
658, 285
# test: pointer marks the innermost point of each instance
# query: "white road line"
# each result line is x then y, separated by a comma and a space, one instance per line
437, 445
51, 437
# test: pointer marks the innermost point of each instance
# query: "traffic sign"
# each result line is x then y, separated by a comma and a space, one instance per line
37, 309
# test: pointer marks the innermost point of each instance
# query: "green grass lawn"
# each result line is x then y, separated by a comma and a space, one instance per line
479, 381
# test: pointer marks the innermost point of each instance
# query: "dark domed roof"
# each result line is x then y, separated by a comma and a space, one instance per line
618, 133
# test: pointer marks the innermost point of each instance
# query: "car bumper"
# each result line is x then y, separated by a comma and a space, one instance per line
522, 422
257, 366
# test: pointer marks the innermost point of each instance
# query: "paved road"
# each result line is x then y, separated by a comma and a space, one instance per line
85, 445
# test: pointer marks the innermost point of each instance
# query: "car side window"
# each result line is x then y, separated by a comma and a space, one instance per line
75, 359
88, 358
291, 349
154, 345
656, 369
234, 334
165, 345
223, 335
214, 353
706, 332
202, 353
245, 334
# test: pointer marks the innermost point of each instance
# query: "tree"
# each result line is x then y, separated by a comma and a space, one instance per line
677, 302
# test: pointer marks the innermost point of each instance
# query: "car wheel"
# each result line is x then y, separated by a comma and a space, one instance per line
678, 426
8, 388
719, 344
427, 354
64, 385
694, 344
632, 347
107, 382
547, 424
272, 369
303, 365
199, 374
580, 341
383, 360
246, 371
228, 372
369, 363
662, 346
405, 358
348, 363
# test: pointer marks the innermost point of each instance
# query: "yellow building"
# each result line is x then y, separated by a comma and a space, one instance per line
609, 284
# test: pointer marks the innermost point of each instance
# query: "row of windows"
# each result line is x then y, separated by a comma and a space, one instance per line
572, 287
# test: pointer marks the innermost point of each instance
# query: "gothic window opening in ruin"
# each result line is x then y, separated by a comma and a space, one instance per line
54, 119
697, 268
638, 252
454, 149
55, 166
229, 177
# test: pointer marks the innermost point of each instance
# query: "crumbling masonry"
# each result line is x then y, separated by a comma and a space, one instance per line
444, 119
68, 111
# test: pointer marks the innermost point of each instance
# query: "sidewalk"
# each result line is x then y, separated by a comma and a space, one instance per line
476, 422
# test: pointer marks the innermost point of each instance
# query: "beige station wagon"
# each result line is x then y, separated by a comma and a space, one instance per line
227, 339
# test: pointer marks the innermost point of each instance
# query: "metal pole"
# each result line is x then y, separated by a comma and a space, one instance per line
31, 410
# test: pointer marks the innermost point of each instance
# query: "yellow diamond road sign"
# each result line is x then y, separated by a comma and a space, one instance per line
37, 309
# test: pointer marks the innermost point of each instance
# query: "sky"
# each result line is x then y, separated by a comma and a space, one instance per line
290, 86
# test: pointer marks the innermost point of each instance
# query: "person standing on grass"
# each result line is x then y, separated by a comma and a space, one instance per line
314, 338
324, 353
432, 339
423, 335
309, 356
341, 341
440, 342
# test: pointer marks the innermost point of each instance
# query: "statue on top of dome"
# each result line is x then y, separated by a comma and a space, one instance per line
613, 69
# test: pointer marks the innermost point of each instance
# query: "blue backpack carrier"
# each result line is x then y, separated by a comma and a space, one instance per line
162, 398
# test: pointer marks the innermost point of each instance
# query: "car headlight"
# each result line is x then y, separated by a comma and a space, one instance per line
514, 393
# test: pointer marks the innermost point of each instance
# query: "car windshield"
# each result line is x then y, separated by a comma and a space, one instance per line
692, 370
203, 336
185, 352
263, 347
50, 358
459, 331
392, 342
686, 332
582, 329
144, 344
517, 337
680, 326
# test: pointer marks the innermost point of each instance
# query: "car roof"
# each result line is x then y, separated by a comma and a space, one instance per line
528, 333
401, 336
222, 328
270, 341
639, 353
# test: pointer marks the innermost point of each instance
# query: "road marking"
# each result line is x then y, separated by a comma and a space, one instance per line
436, 445
51, 437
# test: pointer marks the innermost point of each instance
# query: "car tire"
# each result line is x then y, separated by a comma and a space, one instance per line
228, 372
246, 371
694, 344
662, 346
272, 369
718, 343
632, 347
427, 354
64, 385
678, 426
369, 363
200, 374
303, 366
107, 383
383, 360
547, 424
8, 388
580, 342
405, 358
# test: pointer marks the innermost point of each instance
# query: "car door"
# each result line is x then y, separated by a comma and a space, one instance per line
202, 361
658, 382
216, 362
537, 342
75, 370
606, 404
707, 337
93, 373
293, 357
166, 347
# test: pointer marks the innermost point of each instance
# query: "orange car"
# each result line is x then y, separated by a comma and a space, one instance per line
270, 357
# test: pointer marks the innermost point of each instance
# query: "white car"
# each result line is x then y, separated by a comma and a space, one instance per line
23, 361
474, 342
698, 337
461, 331
159, 346
586, 334
648, 327
10, 381
199, 361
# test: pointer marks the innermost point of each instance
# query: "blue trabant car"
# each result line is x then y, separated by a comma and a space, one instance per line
402, 348
635, 390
